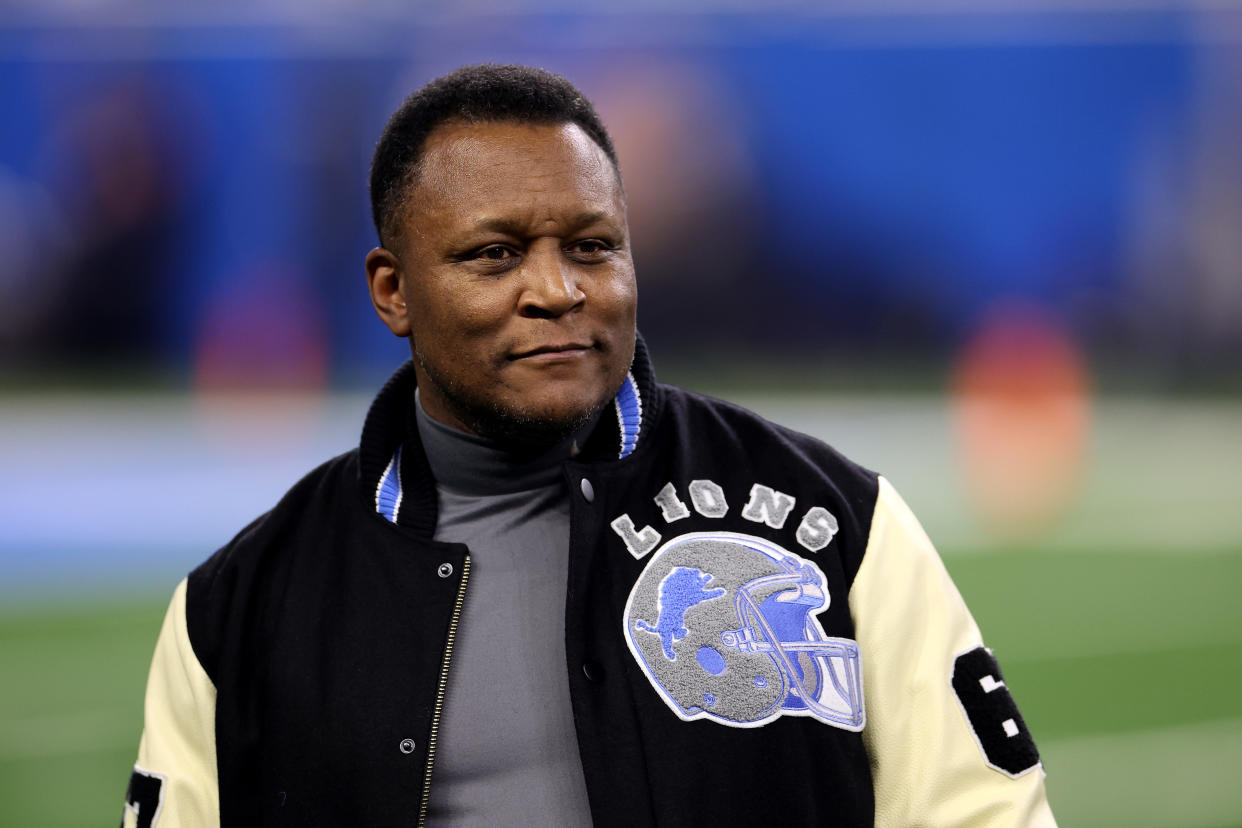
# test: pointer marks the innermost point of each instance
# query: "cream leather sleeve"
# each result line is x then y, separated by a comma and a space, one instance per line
928, 766
174, 781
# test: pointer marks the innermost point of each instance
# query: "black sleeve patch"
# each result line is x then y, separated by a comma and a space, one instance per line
998, 726
145, 797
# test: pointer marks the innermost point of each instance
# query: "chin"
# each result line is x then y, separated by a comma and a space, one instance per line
545, 421
534, 429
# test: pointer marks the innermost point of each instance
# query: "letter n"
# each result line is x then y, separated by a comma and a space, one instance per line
766, 505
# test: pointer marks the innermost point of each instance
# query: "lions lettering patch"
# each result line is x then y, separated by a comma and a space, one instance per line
724, 627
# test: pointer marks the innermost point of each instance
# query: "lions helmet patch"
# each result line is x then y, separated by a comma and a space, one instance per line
724, 626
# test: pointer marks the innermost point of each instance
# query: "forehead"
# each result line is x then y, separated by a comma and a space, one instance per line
471, 169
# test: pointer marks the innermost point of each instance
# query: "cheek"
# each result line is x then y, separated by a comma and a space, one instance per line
453, 311
619, 295
625, 309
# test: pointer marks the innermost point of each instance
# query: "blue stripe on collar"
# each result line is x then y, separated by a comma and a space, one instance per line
629, 415
388, 492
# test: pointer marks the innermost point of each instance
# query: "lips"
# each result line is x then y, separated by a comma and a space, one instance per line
565, 350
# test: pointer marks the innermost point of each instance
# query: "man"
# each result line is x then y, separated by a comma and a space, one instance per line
546, 589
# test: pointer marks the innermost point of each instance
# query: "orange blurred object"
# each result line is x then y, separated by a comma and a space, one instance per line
1022, 411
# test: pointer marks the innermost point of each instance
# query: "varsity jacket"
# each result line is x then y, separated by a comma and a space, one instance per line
757, 630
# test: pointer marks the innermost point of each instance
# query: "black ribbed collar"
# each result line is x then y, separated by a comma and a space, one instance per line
390, 424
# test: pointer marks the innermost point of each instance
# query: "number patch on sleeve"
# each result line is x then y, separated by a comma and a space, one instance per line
998, 726
144, 798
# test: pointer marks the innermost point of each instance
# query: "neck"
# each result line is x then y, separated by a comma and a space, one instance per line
471, 464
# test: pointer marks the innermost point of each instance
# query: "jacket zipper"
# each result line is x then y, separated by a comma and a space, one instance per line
444, 668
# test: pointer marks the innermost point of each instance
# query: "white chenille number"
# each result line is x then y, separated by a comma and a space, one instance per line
992, 713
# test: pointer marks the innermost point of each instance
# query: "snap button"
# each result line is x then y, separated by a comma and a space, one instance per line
593, 671
407, 745
445, 570
588, 491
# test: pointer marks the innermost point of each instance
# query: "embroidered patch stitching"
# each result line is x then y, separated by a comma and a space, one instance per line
992, 714
134, 800
724, 627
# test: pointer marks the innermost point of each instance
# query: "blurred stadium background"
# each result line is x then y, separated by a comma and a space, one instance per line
992, 249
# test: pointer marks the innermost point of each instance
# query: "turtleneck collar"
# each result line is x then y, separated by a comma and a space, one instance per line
473, 465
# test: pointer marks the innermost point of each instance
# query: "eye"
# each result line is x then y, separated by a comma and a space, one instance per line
494, 253
590, 249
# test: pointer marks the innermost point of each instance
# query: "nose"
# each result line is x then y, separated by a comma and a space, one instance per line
551, 285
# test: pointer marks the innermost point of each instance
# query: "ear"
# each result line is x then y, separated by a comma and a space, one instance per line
385, 278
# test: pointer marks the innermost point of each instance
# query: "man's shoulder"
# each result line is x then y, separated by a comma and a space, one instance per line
711, 419
788, 480
260, 558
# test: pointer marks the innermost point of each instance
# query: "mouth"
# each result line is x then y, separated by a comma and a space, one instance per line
569, 350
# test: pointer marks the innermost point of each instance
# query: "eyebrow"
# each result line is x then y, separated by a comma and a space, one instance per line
517, 227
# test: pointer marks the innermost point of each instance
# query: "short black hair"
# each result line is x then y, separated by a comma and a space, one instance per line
481, 93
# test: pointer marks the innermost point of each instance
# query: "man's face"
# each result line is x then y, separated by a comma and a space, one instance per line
517, 279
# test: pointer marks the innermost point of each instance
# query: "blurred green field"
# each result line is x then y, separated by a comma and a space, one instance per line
71, 710
1119, 630
1128, 671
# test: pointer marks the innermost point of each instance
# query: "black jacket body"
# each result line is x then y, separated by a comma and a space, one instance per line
324, 626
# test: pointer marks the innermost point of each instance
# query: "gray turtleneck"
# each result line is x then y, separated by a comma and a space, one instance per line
508, 752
